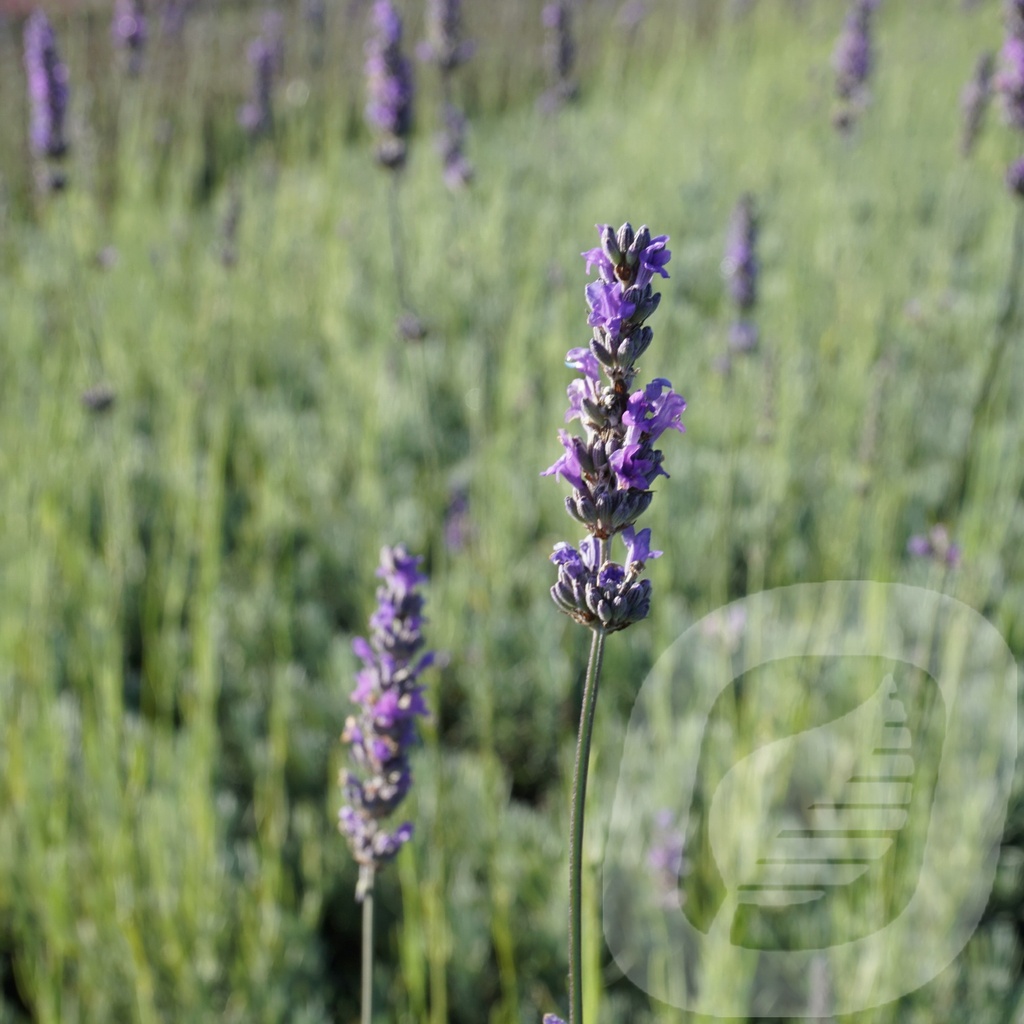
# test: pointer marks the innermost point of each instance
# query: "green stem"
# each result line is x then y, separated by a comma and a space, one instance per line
366, 888
579, 794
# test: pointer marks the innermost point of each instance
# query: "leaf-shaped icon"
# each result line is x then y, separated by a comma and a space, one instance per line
853, 779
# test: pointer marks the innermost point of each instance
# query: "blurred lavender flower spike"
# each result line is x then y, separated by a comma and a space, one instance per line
47, 88
552, 1018
666, 859
612, 467
266, 55
852, 61
458, 172
173, 15
936, 545
129, 30
740, 268
559, 55
389, 86
444, 45
1015, 178
382, 733
974, 101
1010, 80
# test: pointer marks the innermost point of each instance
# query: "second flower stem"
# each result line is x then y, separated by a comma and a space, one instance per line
366, 1009
579, 795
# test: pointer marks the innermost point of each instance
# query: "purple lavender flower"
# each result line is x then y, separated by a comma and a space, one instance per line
666, 859
458, 171
559, 55
852, 61
129, 30
1010, 80
611, 469
974, 101
740, 268
936, 544
266, 55
1015, 178
390, 699
444, 45
389, 86
47, 88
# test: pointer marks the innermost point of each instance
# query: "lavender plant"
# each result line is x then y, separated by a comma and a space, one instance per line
1010, 84
610, 470
48, 96
380, 736
129, 29
974, 101
559, 56
458, 171
740, 267
852, 61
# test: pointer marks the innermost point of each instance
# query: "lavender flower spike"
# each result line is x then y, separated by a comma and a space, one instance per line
852, 61
559, 55
611, 469
458, 171
381, 734
740, 267
266, 55
47, 88
129, 32
444, 45
389, 86
974, 101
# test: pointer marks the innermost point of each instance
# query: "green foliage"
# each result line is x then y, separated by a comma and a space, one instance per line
181, 576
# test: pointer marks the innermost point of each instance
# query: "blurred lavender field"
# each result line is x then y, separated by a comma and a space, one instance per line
238, 356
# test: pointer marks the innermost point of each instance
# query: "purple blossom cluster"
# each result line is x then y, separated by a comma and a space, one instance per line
974, 101
1010, 84
266, 56
47, 88
390, 699
611, 469
852, 61
389, 86
740, 267
129, 30
937, 545
559, 55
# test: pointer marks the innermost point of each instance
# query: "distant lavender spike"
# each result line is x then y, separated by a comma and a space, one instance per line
444, 45
389, 86
266, 55
129, 30
458, 172
390, 699
740, 267
47, 88
852, 61
559, 55
974, 101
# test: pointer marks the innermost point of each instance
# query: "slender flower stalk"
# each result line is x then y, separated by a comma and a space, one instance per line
48, 92
382, 733
610, 470
129, 30
974, 101
559, 56
853, 60
740, 268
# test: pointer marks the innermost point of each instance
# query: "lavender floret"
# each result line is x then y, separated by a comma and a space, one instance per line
936, 545
47, 88
389, 86
612, 467
382, 733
